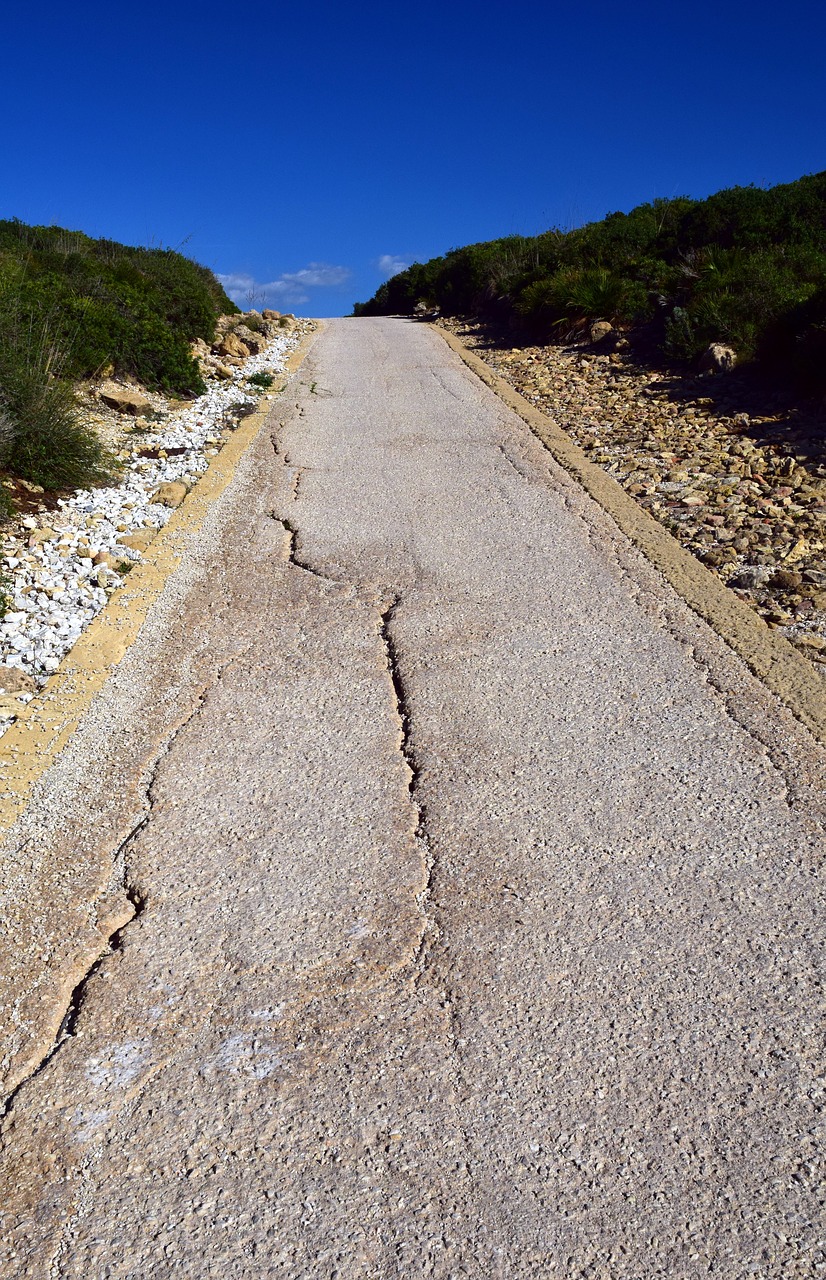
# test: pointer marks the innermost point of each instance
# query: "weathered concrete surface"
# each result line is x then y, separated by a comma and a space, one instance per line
766, 652
479, 923
62, 889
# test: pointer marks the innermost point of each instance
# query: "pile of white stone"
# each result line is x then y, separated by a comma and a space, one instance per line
61, 568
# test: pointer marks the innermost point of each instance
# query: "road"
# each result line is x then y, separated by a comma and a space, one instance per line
477, 921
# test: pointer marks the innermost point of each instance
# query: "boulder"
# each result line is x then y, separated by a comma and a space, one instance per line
600, 329
786, 580
171, 493
12, 680
717, 359
269, 314
256, 342
222, 371
230, 345
124, 399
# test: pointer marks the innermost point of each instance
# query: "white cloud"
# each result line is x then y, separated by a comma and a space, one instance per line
289, 288
390, 265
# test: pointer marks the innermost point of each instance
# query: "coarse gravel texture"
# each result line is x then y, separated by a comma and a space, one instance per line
745, 491
62, 564
476, 888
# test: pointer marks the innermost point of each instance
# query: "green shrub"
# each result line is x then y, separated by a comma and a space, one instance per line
6, 584
741, 267
103, 302
44, 440
571, 298
262, 380
681, 341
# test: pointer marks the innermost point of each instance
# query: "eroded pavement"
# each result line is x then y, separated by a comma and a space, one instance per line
474, 889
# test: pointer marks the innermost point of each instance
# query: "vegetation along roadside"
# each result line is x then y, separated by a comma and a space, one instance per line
683, 346
74, 308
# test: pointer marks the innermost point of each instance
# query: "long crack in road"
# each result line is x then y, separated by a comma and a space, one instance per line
480, 920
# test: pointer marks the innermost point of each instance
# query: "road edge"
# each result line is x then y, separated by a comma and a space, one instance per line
768, 655
45, 725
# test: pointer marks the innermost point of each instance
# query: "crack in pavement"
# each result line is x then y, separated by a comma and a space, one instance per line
430, 929
431, 932
386, 617
138, 899
293, 557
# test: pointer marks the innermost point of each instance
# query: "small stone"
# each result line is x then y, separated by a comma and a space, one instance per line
798, 551
748, 578
43, 535
810, 641
786, 580
171, 493
138, 541
13, 680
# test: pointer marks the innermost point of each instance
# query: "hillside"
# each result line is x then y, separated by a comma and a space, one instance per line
73, 307
745, 268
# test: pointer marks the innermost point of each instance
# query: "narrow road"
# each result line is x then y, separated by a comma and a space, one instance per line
478, 927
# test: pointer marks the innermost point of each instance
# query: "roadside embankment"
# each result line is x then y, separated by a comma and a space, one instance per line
64, 558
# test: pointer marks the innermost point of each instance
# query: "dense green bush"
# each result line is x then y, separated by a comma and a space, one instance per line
107, 303
746, 267
70, 307
41, 436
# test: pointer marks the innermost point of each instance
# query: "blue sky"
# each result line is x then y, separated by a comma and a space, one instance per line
305, 151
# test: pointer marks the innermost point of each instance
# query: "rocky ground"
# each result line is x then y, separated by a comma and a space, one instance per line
736, 472
63, 555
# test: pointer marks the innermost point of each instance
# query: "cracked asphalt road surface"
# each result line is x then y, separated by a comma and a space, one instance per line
477, 923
